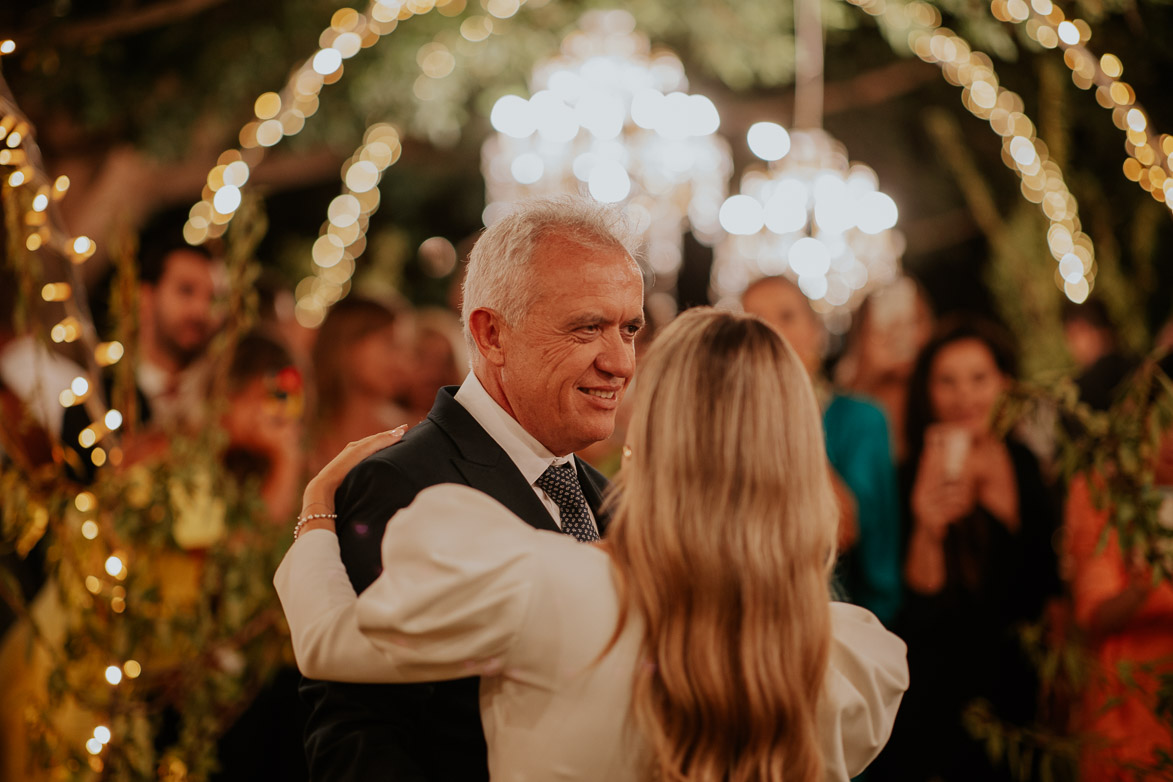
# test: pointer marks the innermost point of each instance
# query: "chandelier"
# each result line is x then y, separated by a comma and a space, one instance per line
807, 212
612, 119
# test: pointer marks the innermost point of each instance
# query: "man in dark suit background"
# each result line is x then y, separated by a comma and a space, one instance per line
553, 300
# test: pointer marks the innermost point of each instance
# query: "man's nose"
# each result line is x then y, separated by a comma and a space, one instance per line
616, 356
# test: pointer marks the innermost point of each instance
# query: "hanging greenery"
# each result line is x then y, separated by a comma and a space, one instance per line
157, 624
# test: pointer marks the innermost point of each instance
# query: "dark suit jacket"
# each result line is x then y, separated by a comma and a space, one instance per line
415, 732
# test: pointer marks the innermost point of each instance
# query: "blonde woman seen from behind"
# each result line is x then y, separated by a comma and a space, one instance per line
722, 538
704, 622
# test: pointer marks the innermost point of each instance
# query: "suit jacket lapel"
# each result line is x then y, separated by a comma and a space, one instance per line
485, 465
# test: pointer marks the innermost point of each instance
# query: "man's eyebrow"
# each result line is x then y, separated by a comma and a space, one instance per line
639, 322
586, 319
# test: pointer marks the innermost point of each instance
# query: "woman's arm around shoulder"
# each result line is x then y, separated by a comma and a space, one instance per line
453, 591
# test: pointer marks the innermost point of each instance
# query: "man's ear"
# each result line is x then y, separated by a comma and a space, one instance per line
487, 329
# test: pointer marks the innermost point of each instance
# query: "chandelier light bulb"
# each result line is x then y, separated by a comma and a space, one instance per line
809, 258
609, 119
527, 168
814, 287
741, 215
600, 113
609, 182
877, 213
703, 117
829, 227
513, 116
768, 140
647, 108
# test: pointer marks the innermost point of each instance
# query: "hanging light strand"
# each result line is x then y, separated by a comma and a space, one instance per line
1041, 179
1150, 155
343, 236
278, 115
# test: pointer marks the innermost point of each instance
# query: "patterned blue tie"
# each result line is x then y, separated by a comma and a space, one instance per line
561, 483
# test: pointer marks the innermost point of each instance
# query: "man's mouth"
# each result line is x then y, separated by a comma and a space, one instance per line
599, 393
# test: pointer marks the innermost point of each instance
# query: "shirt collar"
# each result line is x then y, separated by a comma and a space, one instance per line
531, 457
152, 380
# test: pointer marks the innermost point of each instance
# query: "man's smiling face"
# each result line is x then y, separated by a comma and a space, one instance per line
568, 361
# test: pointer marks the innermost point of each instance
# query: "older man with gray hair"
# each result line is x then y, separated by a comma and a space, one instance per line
553, 300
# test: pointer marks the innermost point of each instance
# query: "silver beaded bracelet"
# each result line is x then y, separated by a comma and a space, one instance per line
301, 520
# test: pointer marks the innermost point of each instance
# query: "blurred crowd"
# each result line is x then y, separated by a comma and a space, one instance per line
954, 536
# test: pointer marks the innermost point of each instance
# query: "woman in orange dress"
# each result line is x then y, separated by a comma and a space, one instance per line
1126, 619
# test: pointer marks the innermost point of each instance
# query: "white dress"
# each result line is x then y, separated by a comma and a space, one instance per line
468, 589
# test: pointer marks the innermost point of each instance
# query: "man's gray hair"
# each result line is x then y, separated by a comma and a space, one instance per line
499, 266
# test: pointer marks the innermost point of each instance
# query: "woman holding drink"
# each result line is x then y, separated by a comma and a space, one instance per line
978, 557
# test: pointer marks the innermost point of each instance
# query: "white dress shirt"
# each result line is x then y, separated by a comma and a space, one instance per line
468, 589
530, 456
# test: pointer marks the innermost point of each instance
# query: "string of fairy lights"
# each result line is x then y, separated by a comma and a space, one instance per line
278, 115
343, 236
1150, 155
281, 114
20, 157
1041, 179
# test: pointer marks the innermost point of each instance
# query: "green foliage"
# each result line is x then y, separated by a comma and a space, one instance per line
1115, 451
193, 606
165, 560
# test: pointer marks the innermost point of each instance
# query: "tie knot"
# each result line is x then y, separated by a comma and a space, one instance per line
558, 476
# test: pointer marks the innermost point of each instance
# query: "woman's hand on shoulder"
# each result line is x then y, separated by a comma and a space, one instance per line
318, 498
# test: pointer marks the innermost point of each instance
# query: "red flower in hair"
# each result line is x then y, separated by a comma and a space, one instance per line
289, 380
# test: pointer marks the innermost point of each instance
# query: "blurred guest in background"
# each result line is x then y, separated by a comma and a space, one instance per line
31, 375
263, 419
362, 364
276, 314
441, 359
889, 329
978, 559
266, 402
858, 449
1126, 619
177, 290
1088, 332
1100, 360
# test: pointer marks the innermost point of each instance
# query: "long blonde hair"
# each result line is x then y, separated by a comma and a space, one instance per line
722, 538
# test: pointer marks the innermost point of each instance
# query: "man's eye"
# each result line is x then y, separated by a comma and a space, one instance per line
591, 329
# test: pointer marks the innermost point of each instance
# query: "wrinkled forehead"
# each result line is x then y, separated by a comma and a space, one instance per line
556, 241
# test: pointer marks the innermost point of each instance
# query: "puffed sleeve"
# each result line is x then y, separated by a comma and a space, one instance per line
867, 674
453, 592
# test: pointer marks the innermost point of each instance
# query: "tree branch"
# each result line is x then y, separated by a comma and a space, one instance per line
125, 23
